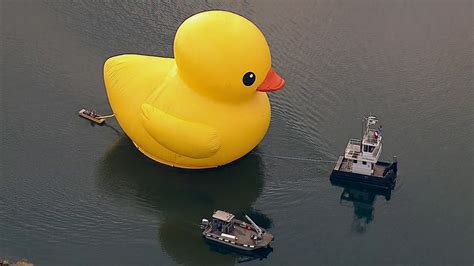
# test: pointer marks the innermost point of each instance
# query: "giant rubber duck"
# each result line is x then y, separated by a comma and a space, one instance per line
206, 107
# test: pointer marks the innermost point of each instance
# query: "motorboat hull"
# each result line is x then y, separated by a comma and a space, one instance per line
227, 242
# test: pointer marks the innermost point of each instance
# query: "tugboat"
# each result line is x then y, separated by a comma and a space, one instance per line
227, 230
360, 164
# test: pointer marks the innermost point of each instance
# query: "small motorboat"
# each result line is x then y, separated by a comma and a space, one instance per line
360, 163
92, 116
225, 229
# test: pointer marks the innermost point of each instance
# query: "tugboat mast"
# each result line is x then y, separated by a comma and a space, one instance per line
367, 122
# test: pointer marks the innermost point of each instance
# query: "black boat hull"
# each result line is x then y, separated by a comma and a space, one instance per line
388, 181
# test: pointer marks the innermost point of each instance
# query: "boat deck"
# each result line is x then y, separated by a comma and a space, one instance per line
243, 236
342, 174
346, 166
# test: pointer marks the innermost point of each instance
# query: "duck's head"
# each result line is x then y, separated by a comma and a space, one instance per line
224, 55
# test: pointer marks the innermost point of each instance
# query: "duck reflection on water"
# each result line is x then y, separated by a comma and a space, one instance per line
182, 197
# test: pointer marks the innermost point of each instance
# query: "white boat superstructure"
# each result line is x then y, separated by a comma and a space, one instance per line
361, 156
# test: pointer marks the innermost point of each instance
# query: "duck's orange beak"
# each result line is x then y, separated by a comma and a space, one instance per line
272, 82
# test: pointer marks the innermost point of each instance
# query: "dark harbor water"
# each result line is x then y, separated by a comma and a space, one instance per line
76, 194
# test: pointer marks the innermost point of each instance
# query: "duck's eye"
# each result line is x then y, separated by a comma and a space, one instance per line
249, 78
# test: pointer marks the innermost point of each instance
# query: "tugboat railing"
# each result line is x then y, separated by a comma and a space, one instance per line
355, 141
338, 163
376, 151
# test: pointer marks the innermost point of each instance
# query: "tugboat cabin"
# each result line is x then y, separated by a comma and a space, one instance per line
362, 157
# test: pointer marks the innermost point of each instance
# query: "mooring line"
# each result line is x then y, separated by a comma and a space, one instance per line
106, 116
295, 158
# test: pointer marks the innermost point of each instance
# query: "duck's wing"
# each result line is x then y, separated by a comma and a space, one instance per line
194, 140
129, 80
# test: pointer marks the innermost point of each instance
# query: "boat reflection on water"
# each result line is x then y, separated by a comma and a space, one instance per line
241, 255
362, 200
182, 197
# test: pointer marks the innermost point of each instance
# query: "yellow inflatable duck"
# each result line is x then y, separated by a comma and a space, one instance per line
205, 108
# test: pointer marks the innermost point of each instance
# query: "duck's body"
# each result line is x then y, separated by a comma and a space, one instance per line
175, 119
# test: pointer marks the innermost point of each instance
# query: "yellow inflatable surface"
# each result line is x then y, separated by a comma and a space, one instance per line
205, 108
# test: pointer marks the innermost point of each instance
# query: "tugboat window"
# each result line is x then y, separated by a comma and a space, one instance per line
364, 162
355, 161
